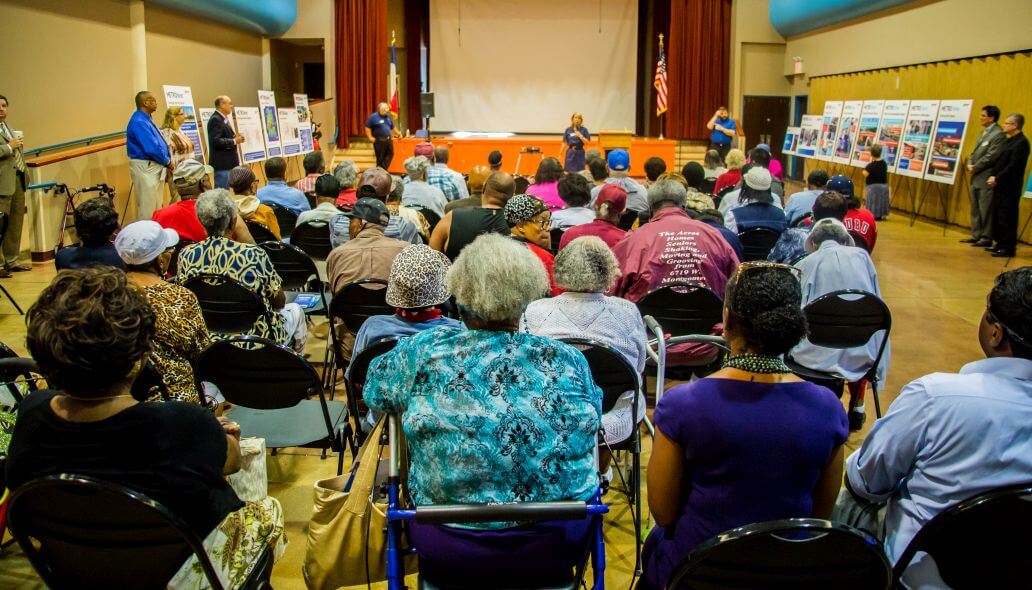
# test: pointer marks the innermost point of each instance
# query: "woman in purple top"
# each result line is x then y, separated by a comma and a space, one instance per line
751, 442
546, 183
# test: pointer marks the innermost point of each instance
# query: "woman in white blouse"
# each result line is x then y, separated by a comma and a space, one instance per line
179, 145
586, 268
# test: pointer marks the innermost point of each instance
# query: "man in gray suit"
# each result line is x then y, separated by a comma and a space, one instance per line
980, 166
12, 194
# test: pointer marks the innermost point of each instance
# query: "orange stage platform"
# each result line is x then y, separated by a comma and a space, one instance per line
468, 152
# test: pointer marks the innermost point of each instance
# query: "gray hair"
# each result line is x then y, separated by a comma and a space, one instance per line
586, 265
826, 229
496, 278
416, 166
216, 210
667, 191
397, 189
346, 174
1019, 120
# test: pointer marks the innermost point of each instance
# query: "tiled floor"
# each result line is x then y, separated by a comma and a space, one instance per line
934, 286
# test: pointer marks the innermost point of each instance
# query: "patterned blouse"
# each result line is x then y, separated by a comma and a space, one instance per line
180, 148
179, 337
245, 263
491, 416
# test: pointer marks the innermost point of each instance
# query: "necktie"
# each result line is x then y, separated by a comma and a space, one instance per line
19, 158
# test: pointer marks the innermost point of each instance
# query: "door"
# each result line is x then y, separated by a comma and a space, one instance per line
314, 79
797, 164
765, 119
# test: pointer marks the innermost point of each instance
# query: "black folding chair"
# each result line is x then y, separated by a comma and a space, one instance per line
707, 186
845, 319
173, 262
227, 305
351, 306
757, 242
285, 218
147, 382
14, 370
627, 219
614, 375
83, 533
297, 271
983, 542
719, 197
431, 217
681, 309
357, 372
269, 386
803, 221
313, 238
260, 232
797, 553
556, 236
859, 241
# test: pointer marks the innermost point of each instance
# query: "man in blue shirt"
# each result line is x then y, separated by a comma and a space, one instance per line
277, 192
380, 129
148, 156
722, 131
801, 204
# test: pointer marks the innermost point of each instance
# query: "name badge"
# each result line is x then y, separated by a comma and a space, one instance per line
985, 143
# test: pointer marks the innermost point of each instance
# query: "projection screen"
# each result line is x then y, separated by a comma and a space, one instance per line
527, 66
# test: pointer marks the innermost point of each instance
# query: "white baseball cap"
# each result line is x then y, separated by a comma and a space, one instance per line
143, 241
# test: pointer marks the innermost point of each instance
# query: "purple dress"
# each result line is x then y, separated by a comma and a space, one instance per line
752, 452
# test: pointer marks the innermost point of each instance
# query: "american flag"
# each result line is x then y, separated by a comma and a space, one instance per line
392, 79
660, 81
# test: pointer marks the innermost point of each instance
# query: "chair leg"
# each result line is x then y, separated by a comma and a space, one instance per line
636, 469
877, 402
13, 302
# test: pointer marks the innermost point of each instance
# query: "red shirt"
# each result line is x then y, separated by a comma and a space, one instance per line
609, 233
346, 199
182, 217
729, 178
862, 222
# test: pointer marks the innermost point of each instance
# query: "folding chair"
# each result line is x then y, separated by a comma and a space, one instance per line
297, 271
313, 238
797, 553
260, 232
982, 542
84, 533
227, 305
757, 242
269, 386
173, 262
556, 236
285, 218
14, 370
356, 378
431, 217
351, 306
845, 319
627, 219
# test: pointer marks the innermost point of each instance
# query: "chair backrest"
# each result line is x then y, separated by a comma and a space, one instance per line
431, 217
609, 369
83, 533
358, 301
556, 236
357, 371
798, 553
757, 242
257, 373
15, 368
260, 232
708, 184
803, 221
286, 219
313, 237
627, 219
846, 319
983, 542
227, 305
295, 268
683, 308
173, 262
717, 198
859, 241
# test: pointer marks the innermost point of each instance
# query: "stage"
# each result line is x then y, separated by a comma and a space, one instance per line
468, 152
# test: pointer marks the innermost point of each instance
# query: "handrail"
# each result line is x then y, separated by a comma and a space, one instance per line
61, 157
85, 140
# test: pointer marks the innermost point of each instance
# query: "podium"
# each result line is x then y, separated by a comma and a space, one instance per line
612, 140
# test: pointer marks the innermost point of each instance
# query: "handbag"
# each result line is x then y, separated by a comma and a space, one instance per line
346, 534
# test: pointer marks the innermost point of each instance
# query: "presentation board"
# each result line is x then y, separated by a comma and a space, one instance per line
791, 142
289, 136
249, 123
890, 130
304, 122
182, 96
809, 134
526, 66
206, 113
829, 129
917, 134
270, 122
947, 141
866, 131
847, 131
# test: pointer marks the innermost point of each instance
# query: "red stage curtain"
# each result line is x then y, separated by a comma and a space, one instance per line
362, 62
417, 33
698, 60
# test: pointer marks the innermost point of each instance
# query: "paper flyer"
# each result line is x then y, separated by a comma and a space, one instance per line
917, 136
948, 140
304, 122
809, 133
270, 122
249, 124
288, 132
866, 131
829, 129
890, 130
182, 96
847, 131
791, 141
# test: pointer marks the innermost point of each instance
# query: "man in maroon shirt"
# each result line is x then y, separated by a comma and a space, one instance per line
609, 207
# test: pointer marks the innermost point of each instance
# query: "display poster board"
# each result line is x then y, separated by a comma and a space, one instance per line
947, 140
829, 129
270, 122
289, 132
791, 141
890, 130
182, 96
866, 132
249, 123
304, 123
847, 131
1028, 188
917, 138
809, 134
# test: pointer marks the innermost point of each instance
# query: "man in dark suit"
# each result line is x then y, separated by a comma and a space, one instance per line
1007, 182
223, 141
980, 166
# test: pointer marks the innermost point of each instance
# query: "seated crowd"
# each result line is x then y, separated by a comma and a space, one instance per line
485, 281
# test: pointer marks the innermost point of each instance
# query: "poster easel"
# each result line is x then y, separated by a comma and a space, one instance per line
943, 198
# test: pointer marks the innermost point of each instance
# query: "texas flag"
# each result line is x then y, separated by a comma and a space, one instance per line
392, 80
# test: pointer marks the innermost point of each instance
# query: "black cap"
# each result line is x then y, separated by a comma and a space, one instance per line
371, 210
494, 158
326, 186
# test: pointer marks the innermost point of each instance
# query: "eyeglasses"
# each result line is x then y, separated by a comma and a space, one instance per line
992, 319
756, 264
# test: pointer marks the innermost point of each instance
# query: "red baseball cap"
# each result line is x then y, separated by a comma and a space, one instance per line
615, 195
424, 149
